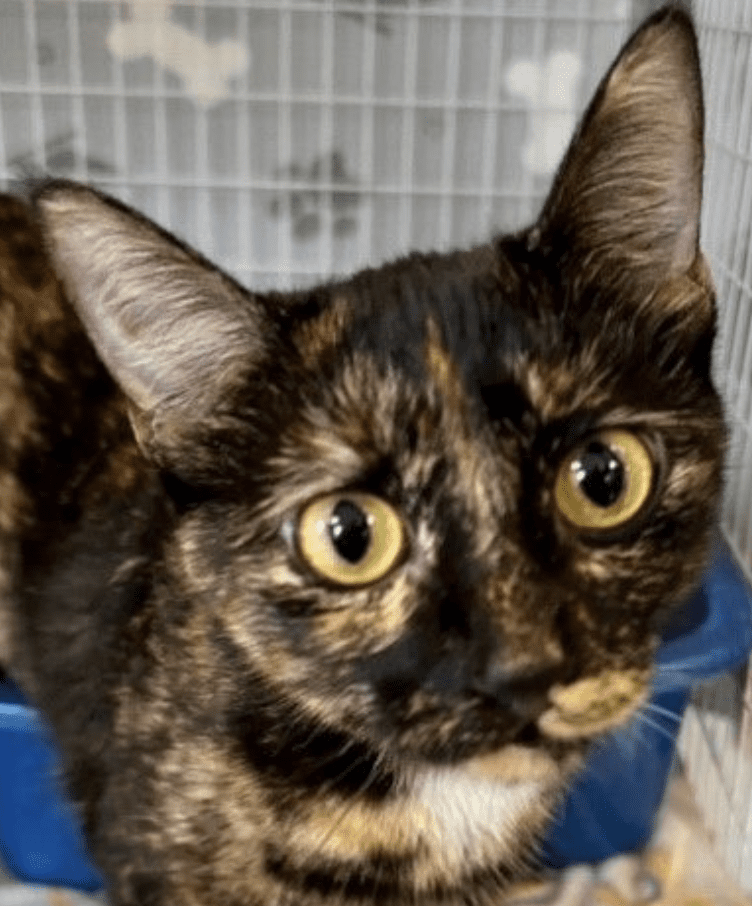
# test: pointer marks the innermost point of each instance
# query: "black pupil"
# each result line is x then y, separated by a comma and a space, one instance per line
600, 474
349, 531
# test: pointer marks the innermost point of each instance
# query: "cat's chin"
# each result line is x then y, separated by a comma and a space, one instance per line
515, 763
529, 757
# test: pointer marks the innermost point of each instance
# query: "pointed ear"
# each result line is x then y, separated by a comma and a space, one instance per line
629, 190
175, 333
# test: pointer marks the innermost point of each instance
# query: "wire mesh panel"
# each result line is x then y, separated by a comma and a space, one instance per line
716, 741
292, 139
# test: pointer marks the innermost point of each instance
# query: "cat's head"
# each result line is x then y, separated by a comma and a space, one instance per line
444, 505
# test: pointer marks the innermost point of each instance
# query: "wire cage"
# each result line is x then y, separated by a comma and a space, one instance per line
716, 739
291, 140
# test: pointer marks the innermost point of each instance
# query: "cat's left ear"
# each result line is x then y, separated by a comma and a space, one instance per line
174, 331
627, 196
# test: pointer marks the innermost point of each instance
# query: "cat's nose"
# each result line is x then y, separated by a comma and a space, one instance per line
521, 689
518, 686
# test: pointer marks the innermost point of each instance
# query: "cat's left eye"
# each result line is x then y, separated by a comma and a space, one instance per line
606, 481
350, 538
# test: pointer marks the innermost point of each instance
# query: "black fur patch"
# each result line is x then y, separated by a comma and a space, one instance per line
293, 752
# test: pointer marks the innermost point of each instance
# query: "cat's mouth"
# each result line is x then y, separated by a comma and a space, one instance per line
579, 711
561, 716
514, 763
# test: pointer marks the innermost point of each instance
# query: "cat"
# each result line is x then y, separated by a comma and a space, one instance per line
326, 594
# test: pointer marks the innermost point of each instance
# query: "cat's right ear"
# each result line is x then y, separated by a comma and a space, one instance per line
175, 332
625, 203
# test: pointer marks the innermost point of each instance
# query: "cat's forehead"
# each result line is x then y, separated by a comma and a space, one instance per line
465, 325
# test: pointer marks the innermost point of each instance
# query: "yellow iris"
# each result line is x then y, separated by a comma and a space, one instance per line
604, 483
350, 538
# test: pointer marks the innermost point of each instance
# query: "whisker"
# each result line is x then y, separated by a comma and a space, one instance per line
675, 680
631, 738
686, 664
655, 725
677, 673
331, 758
331, 784
632, 735
653, 708
303, 744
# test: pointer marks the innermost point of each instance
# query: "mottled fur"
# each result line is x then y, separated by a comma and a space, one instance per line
238, 731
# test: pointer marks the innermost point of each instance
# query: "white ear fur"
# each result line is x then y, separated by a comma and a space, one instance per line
172, 329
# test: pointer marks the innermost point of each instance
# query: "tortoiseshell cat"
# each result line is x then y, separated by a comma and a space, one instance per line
325, 594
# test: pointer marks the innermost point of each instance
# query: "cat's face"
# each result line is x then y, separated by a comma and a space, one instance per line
445, 505
477, 493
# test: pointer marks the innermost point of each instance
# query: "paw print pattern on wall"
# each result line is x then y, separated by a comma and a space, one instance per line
205, 68
550, 90
60, 160
382, 21
304, 205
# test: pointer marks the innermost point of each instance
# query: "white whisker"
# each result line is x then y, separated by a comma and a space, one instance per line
629, 738
686, 664
653, 708
655, 725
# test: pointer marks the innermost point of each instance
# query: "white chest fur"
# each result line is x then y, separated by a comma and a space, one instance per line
471, 817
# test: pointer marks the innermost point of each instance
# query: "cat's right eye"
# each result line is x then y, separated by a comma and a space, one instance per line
604, 483
350, 538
